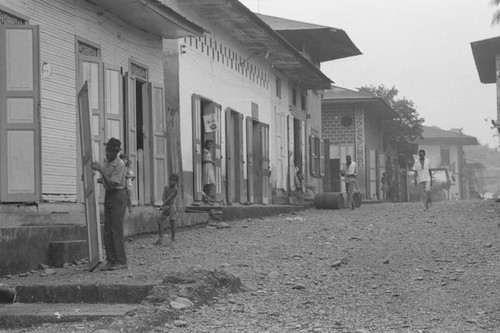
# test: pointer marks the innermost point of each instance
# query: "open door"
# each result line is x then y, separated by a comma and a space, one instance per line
230, 160
158, 128
89, 182
291, 156
131, 133
250, 171
265, 165
197, 147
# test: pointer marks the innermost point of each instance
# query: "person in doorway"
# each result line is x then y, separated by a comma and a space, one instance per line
129, 176
423, 179
350, 173
168, 208
208, 172
385, 186
115, 204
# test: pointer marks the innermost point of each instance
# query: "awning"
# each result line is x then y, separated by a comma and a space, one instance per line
485, 52
151, 16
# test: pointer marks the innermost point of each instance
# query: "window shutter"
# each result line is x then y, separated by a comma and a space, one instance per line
313, 156
321, 158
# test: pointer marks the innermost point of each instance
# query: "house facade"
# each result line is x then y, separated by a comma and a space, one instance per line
158, 82
48, 51
352, 125
265, 94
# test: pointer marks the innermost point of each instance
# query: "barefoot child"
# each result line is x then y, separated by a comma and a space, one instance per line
168, 208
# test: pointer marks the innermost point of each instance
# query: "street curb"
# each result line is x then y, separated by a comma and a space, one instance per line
83, 293
19, 315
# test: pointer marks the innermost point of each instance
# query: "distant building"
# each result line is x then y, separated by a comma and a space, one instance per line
444, 148
352, 125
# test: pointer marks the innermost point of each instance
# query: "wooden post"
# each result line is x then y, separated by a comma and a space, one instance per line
497, 62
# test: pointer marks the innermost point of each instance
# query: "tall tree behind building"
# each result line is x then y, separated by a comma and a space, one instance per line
400, 131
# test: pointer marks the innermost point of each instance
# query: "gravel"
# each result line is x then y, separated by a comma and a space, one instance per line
381, 268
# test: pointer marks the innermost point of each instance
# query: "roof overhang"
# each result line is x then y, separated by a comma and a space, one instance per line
151, 16
327, 43
375, 106
485, 52
449, 141
245, 26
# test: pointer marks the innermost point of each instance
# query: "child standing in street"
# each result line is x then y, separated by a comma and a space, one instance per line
168, 208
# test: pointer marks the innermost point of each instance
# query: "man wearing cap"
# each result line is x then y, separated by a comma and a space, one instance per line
115, 203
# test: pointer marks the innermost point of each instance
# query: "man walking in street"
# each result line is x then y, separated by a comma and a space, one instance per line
115, 203
350, 173
422, 178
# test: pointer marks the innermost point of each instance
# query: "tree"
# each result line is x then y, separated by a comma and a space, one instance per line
496, 15
400, 131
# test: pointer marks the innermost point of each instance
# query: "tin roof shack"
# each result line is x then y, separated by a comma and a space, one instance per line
257, 87
444, 148
352, 125
486, 54
48, 49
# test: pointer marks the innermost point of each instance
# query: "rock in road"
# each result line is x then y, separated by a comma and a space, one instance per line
381, 268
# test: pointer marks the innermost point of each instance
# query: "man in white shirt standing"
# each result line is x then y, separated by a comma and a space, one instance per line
350, 173
423, 179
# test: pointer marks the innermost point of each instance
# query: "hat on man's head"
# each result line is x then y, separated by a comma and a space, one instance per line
114, 144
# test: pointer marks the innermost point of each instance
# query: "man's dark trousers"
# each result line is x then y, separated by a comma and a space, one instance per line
115, 204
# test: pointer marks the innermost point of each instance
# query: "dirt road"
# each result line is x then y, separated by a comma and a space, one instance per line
380, 268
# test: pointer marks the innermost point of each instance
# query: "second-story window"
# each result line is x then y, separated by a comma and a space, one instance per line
303, 101
294, 96
278, 87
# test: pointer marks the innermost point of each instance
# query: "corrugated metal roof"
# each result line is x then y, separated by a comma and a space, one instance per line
327, 43
436, 135
245, 26
374, 104
151, 16
485, 52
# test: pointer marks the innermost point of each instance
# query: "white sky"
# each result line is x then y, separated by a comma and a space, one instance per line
420, 46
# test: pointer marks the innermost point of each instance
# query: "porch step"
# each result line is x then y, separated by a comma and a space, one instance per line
83, 293
61, 252
24, 315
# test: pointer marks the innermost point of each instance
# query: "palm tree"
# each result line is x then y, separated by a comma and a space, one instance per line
496, 15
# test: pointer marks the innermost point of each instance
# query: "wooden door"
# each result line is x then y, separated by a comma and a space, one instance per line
230, 160
291, 157
197, 147
372, 174
250, 171
381, 168
218, 152
20, 144
266, 168
113, 103
131, 130
89, 182
240, 159
304, 153
158, 126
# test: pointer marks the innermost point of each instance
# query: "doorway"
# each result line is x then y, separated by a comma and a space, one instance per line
234, 157
206, 119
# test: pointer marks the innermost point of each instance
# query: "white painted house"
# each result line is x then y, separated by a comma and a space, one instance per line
154, 69
48, 49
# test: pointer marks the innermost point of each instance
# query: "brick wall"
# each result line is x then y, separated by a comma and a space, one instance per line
333, 129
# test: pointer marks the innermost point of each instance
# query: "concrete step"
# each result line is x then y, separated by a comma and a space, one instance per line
24, 315
83, 293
